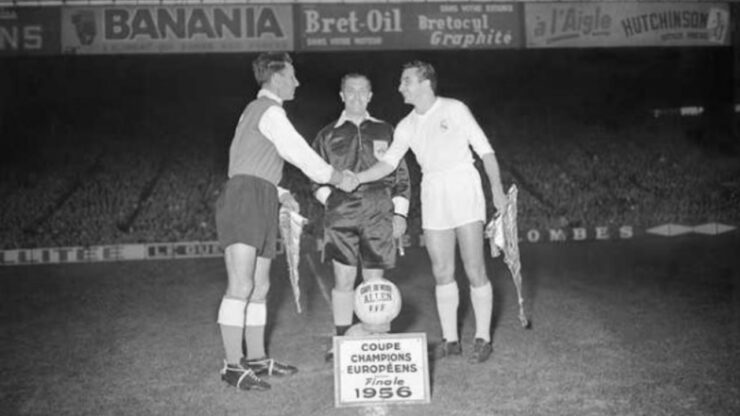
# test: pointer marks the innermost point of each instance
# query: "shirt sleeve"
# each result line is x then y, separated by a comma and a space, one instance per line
401, 206
282, 191
398, 148
320, 191
291, 146
476, 137
322, 194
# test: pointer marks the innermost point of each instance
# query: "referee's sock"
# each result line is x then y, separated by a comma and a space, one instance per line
342, 307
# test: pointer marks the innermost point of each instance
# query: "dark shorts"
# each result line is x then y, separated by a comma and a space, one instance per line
358, 229
247, 213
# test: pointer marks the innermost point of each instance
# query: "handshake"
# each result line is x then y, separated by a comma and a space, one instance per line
349, 182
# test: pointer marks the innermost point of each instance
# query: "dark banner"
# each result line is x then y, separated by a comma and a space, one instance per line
29, 31
398, 26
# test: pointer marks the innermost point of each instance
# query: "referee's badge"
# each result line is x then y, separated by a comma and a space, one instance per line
379, 148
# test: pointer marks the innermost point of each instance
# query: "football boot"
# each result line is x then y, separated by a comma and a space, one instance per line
268, 366
481, 351
242, 378
446, 349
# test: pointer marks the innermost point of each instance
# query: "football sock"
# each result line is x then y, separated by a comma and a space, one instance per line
254, 331
482, 300
231, 321
448, 299
342, 307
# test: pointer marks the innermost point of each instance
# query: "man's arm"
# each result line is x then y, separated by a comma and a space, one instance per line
401, 194
320, 191
478, 140
379, 170
390, 160
291, 146
490, 165
401, 191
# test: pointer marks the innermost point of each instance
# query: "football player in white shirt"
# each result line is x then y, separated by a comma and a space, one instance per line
441, 131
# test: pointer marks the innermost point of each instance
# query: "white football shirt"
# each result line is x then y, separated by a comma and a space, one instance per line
440, 138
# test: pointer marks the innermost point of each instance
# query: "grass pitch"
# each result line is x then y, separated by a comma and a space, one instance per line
648, 327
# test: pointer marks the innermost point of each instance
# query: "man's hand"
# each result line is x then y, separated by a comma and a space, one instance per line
289, 202
499, 199
349, 181
399, 226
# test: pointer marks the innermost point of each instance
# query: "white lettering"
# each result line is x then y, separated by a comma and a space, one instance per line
312, 21
579, 234
557, 235
602, 233
23, 37
626, 232
182, 23
533, 236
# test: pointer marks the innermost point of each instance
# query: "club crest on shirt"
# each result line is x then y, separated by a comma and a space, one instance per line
379, 148
443, 125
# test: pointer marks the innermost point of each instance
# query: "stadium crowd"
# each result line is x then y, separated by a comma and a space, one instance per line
644, 174
104, 188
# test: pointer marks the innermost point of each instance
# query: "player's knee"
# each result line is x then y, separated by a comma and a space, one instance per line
259, 294
443, 273
478, 280
239, 290
344, 284
344, 277
476, 274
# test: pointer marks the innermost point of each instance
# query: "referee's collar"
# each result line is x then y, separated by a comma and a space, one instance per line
343, 118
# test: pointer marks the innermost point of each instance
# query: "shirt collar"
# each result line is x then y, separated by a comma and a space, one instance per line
269, 94
343, 118
430, 110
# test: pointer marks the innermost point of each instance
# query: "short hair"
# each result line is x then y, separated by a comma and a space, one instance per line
425, 70
353, 75
269, 63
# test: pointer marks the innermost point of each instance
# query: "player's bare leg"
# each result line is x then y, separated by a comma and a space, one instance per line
342, 300
254, 331
369, 274
470, 239
240, 266
440, 245
342, 296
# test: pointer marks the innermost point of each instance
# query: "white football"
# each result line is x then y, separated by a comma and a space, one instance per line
377, 301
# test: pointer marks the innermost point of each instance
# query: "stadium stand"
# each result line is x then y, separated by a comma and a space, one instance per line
87, 171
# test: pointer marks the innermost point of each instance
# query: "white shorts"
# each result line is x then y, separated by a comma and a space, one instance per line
452, 198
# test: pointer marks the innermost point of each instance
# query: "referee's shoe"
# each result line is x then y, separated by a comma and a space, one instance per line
445, 349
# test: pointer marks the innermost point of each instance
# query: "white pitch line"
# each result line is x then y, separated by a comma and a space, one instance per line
319, 280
